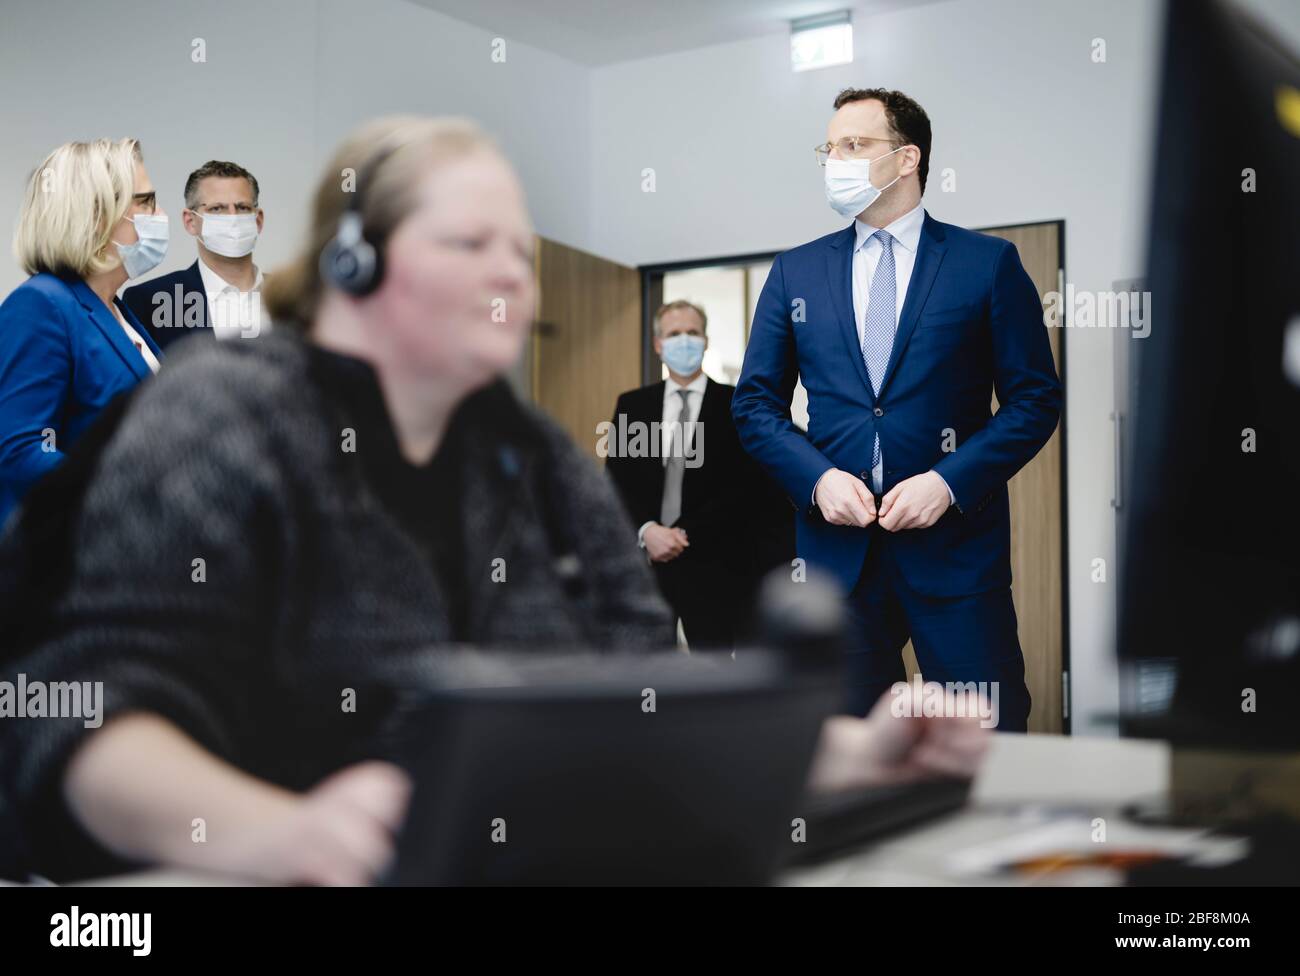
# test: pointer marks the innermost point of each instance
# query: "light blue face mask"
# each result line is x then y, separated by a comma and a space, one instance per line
146, 253
683, 353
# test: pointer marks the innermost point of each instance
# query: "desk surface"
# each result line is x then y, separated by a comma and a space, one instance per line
1023, 775
1093, 777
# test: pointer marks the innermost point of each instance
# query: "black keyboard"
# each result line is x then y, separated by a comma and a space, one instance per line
838, 822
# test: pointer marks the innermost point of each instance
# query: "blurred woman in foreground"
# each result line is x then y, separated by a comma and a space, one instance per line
280, 522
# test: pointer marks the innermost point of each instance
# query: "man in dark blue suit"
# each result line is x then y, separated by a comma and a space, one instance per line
219, 295
901, 328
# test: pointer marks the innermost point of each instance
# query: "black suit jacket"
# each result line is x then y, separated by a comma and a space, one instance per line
713, 493
171, 306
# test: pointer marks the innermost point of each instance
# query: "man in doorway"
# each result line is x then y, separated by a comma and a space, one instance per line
685, 489
219, 295
901, 329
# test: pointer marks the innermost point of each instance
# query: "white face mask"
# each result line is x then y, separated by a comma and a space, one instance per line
230, 235
848, 184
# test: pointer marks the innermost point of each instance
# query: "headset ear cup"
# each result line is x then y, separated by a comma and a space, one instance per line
376, 269
351, 267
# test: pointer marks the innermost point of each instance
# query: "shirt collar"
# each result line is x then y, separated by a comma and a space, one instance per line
214, 284
906, 229
671, 386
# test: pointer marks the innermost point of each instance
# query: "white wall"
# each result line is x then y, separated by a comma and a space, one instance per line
1032, 127
82, 70
393, 56
282, 83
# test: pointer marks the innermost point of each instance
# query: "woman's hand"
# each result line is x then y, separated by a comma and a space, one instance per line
340, 833
882, 748
148, 792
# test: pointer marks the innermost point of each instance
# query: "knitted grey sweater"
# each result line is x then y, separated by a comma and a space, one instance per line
233, 570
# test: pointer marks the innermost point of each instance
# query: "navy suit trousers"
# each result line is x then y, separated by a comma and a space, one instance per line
957, 639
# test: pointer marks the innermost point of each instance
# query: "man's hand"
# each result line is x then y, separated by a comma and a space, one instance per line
916, 503
844, 499
883, 748
664, 543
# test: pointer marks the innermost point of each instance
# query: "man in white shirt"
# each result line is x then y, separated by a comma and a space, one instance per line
221, 291
233, 311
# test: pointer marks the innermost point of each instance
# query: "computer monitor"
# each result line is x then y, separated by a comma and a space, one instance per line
1210, 558
608, 769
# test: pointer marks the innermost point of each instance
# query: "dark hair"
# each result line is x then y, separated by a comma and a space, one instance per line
906, 118
217, 167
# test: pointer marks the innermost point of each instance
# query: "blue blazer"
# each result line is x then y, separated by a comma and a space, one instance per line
971, 325
63, 357
183, 312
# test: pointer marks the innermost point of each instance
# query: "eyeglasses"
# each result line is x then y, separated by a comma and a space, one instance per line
223, 208
850, 147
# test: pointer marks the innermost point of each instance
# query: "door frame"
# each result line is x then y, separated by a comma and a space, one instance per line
652, 296
652, 278
1067, 712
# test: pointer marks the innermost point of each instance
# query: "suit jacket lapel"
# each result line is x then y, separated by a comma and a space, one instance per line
653, 470
930, 250
194, 283
710, 410
839, 276
654, 404
710, 402
140, 329
112, 330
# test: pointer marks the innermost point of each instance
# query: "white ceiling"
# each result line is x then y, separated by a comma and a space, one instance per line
595, 32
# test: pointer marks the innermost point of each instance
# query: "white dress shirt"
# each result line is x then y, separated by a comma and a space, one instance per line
672, 414
906, 234
141, 346
232, 312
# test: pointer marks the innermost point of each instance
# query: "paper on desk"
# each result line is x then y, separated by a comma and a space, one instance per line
1076, 836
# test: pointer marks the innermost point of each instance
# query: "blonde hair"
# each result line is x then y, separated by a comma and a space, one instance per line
681, 304
74, 200
383, 161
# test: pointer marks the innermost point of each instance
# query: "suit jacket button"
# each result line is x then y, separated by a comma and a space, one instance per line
864, 475
878, 412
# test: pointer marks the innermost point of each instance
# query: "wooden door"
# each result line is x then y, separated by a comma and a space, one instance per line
1037, 526
586, 346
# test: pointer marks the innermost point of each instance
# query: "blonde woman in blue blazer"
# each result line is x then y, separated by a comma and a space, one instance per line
89, 222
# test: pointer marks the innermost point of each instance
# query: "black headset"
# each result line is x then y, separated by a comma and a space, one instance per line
349, 262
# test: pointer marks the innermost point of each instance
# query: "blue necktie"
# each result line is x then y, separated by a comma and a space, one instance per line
881, 320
